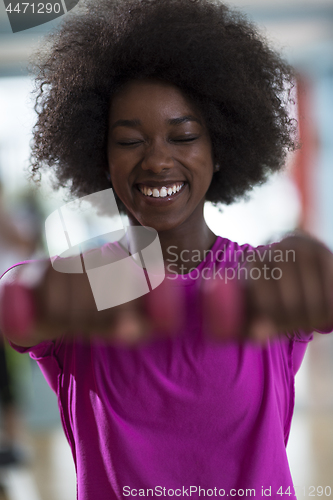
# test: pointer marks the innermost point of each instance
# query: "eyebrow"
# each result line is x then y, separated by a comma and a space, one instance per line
126, 123
183, 119
171, 121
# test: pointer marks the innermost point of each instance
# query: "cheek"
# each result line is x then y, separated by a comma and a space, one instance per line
116, 179
203, 160
205, 172
121, 164
120, 184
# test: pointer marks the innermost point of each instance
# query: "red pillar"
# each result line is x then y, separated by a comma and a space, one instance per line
305, 159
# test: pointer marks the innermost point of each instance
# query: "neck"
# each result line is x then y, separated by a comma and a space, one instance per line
184, 249
184, 246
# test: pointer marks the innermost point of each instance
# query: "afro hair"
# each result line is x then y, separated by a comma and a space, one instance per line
213, 54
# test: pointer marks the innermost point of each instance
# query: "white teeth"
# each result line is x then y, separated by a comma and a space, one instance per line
162, 192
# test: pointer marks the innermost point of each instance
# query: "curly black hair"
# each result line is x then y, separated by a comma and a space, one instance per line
213, 54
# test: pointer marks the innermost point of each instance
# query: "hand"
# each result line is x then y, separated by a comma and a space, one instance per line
294, 291
302, 298
57, 303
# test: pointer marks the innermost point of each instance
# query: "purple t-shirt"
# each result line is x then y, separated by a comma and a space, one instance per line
181, 416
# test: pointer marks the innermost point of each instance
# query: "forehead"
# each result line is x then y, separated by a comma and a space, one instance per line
147, 97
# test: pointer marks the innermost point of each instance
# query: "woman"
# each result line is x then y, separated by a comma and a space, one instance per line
173, 103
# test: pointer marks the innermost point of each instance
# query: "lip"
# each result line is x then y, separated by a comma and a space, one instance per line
160, 184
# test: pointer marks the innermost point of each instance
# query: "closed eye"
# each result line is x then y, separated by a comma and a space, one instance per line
128, 143
185, 139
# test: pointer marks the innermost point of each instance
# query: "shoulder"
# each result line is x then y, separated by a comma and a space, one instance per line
11, 273
231, 252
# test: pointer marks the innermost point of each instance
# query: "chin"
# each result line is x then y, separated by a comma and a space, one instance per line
159, 225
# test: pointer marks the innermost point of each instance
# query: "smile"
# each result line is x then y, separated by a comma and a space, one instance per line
161, 192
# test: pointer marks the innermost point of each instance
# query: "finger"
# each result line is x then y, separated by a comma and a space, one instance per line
290, 292
303, 290
82, 309
53, 299
264, 300
314, 268
313, 290
325, 273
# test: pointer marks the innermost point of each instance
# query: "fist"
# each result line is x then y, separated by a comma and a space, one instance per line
300, 296
288, 286
54, 303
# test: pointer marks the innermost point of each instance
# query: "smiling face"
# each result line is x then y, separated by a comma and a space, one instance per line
160, 156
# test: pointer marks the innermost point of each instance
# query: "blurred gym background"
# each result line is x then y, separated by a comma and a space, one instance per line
38, 465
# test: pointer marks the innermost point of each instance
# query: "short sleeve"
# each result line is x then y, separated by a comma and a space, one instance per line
47, 355
301, 340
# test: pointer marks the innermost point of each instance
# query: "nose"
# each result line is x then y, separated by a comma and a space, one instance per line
157, 158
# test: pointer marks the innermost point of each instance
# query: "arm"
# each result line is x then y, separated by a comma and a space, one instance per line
302, 296
17, 310
291, 289
38, 303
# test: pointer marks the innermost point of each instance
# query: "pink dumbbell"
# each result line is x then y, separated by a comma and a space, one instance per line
221, 306
17, 310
